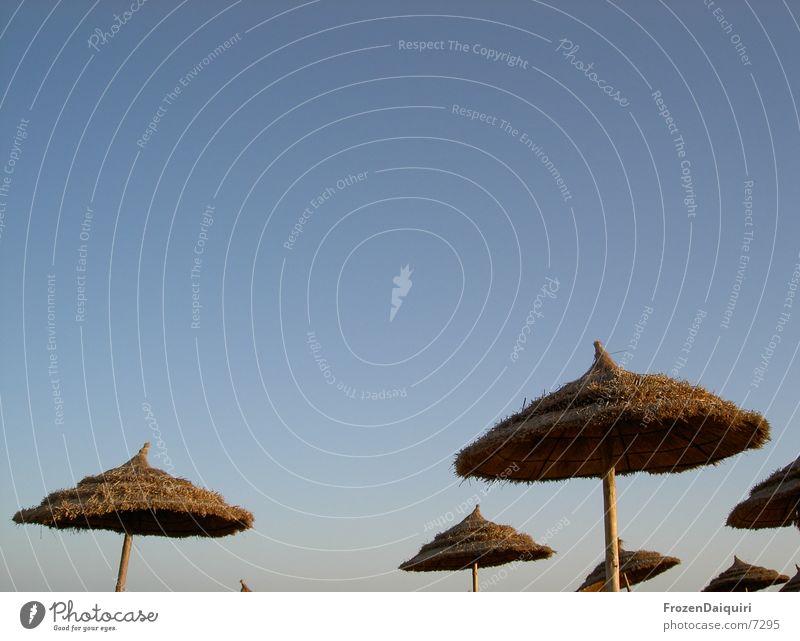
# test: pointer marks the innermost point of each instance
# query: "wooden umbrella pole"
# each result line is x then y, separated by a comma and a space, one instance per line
475, 577
123, 562
610, 506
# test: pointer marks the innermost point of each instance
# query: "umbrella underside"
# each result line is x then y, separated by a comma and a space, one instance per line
744, 584
556, 453
149, 522
462, 557
769, 514
772, 503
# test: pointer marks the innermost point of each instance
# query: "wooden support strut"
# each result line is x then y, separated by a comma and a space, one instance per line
123, 562
610, 516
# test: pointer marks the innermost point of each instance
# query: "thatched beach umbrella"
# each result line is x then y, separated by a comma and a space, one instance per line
476, 541
634, 567
611, 421
774, 502
245, 587
794, 583
136, 498
743, 577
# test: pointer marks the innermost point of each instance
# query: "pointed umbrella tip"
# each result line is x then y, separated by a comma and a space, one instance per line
602, 358
140, 459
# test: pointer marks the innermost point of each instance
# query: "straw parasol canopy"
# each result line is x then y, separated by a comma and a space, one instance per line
774, 502
476, 541
612, 421
794, 583
245, 587
136, 498
653, 422
634, 567
743, 577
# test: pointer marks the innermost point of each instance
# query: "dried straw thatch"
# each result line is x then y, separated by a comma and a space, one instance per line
774, 502
476, 540
612, 421
743, 577
654, 423
634, 567
136, 498
793, 584
245, 587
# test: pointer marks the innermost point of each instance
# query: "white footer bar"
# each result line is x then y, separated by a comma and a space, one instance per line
407, 616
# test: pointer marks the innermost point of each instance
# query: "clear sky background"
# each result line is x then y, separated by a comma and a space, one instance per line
289, 389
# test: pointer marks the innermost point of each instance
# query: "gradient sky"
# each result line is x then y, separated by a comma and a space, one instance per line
289, 390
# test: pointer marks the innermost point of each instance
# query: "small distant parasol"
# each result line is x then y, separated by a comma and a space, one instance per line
634, 567
476, 541
775, 502
743, 577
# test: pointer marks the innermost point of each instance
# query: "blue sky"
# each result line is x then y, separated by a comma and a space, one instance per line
217, 197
